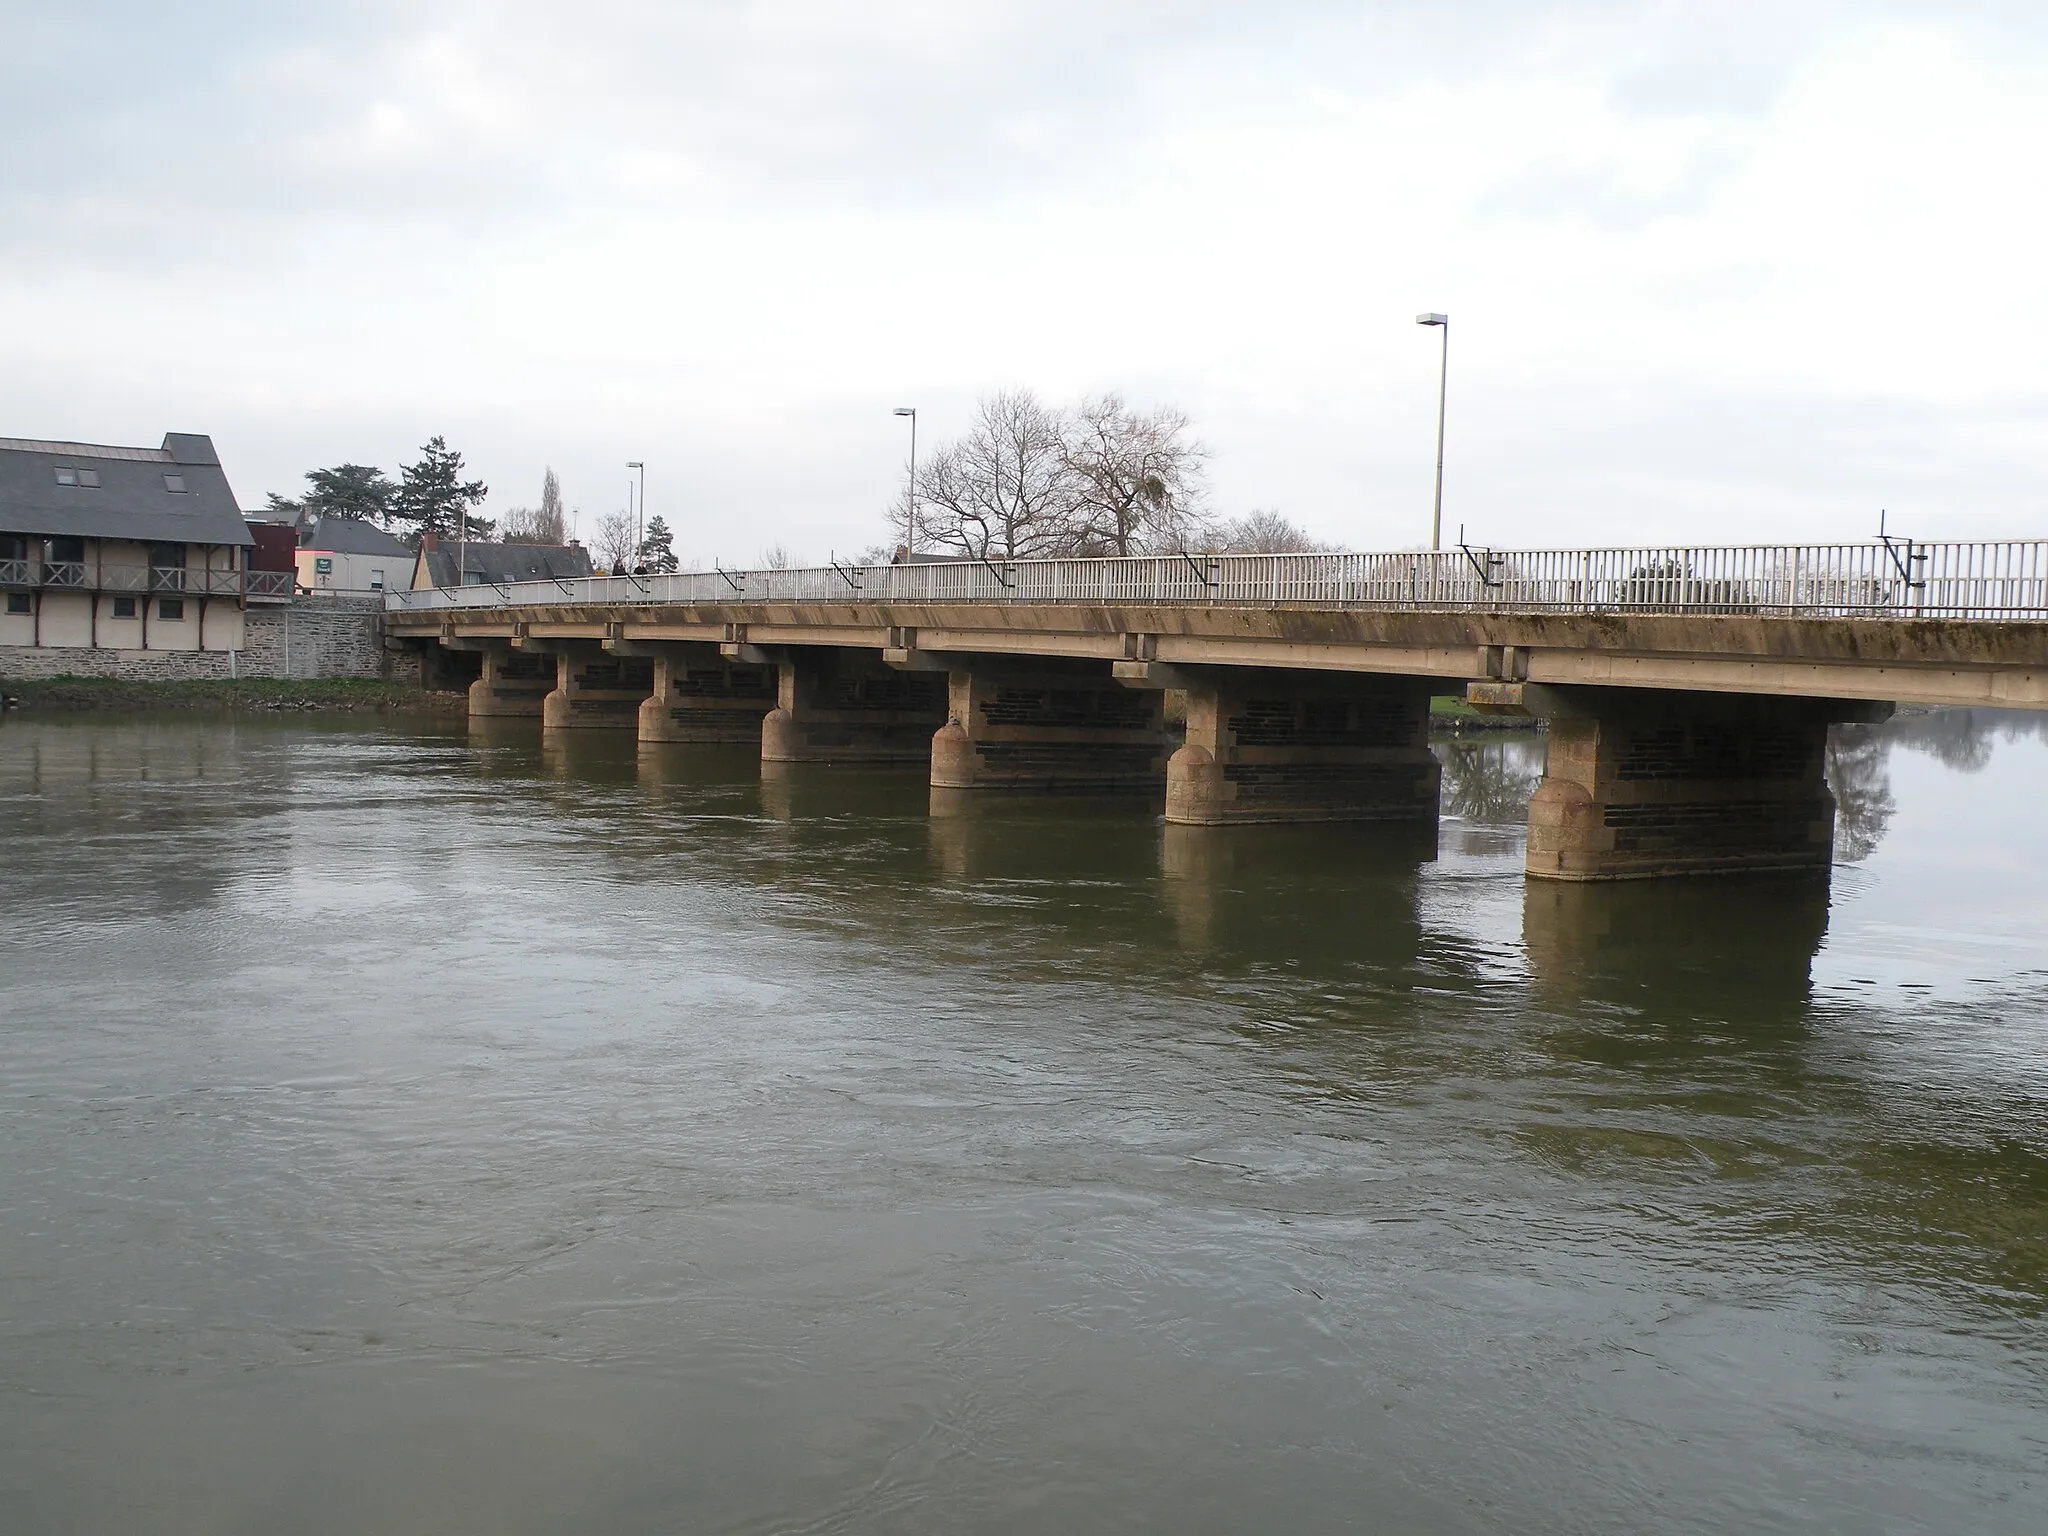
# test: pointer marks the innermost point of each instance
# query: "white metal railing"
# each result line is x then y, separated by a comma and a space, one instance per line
1894, 579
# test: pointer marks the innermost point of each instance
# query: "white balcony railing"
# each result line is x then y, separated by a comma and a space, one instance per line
1894, 579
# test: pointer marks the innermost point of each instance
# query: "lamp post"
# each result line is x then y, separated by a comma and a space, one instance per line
910, 522
1436, 521
639, 537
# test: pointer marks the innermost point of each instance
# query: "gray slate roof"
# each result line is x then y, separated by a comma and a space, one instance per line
130, 502
350, 536
506, 562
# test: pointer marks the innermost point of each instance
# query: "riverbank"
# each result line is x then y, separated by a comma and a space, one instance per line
249, 695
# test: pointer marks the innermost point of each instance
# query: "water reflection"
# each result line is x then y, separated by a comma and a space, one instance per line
1738, 948
1490, 779
1331, 896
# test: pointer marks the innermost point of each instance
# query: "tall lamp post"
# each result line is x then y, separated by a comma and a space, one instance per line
910, 522
639, 537
1436, 521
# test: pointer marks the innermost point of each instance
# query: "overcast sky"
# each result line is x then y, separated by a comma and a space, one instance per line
1716, 272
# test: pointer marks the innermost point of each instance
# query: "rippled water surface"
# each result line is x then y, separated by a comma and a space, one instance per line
406, 1130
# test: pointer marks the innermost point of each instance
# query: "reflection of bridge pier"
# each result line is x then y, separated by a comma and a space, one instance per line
1220, 885
1739, 949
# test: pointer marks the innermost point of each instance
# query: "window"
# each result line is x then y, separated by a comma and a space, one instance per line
376, 581
13, 547
89, 477
17, 602
66, 475
67, 551
472, 578
175, 484
170, 609
124, 607
167, 557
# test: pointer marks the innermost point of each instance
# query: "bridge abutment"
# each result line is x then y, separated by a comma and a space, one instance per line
845, 706
595, 690
1638, 784
1030, 725
1270, 746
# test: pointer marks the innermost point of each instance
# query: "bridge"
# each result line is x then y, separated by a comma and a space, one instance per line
1687, 691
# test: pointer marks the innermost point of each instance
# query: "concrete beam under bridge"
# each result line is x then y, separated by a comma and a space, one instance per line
697, 694
1047, 725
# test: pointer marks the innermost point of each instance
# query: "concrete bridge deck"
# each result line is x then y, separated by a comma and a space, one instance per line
1689, 690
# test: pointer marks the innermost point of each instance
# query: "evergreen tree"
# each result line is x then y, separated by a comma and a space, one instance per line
360, 491
433, 497
657, 549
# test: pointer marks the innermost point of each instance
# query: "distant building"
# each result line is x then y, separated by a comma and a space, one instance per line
445, 563
123, 549
344, 554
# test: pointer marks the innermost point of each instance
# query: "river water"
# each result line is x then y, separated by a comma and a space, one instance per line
406, 1130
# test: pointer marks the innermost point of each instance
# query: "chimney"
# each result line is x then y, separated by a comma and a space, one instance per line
429, 542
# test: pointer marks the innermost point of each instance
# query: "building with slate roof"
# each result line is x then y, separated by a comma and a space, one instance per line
446, 563
345, 554
123, 549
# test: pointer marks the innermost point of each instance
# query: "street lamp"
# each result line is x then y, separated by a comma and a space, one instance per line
910, 522
639, 537
1436, 521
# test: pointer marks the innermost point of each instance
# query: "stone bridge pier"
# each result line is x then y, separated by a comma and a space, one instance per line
697, 694
1274, 746
511, 684
1640, 783
1020, 724
845, 706
593, 689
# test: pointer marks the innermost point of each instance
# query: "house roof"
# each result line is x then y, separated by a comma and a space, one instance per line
134, 498
349, 536
501, 563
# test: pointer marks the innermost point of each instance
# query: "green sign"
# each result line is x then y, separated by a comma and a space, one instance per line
323, 565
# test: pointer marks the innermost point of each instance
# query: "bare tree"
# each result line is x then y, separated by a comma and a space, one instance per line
1267, 533
1003, 491
1136, 479
614, 540
776, 557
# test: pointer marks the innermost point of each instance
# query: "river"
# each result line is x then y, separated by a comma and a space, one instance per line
406, 1130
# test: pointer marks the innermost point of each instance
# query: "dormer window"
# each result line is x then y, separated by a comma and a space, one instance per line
66, 475
175, 484
89, 477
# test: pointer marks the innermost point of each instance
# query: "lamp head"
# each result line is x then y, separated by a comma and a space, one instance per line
906, 410
1432, 319
634, 464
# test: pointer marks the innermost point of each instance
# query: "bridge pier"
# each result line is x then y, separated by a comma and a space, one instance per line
844, 706
699, 695
513, 683
593, 690
1639, 783
1273, 746
1020, 724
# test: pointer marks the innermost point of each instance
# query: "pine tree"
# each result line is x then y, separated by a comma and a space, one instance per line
433, 497
657, 549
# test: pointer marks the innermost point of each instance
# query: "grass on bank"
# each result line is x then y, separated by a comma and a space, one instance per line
345, 694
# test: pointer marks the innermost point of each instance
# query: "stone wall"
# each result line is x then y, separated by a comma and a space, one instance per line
316, 637
312, 637
37, 661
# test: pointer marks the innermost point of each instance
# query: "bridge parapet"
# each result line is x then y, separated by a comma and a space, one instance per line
1894, 578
